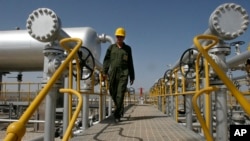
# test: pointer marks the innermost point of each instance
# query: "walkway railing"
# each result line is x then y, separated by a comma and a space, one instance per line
231, 87
167, 91
27, 92
16, 130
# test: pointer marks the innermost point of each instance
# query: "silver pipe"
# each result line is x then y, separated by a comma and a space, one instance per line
85, 111
50, 110
239, 77
106, 38
66, 107
238, 59
221, 114
189, 112
16, 45
29, 121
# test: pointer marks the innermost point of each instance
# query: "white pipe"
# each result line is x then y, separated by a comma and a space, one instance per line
29, 121
238, 59
20, 52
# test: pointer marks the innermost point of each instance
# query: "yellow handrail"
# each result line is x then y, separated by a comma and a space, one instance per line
204, 50
198, 113
16, 130
76, 113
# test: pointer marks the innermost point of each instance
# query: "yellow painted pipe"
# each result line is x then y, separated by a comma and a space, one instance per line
207, 97
204, 50
70, 86
76, 113
18, 128
207, 134
70, 79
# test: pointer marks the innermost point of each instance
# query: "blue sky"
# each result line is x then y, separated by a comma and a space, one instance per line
158, 31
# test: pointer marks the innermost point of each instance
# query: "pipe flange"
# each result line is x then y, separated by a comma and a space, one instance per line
229, 21
43, 25
221, 48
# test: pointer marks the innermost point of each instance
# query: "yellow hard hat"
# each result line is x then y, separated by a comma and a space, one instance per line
120, 32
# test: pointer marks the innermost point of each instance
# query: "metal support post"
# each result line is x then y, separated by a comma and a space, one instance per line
104, 106
85, 88
85, 111
159, 103
173, 113
53, 55
221, 114
189, 111
65, 112
110, 105
50, 110
167, 105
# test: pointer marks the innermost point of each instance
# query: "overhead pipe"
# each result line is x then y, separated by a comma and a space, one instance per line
106, 38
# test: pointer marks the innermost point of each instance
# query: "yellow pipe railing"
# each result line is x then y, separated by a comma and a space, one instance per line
16, 130
198, 113
204, 50
172, 90
207, 96
70, 86
70, 81
76, 113
176, 97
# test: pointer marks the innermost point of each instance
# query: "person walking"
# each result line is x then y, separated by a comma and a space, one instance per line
118, 66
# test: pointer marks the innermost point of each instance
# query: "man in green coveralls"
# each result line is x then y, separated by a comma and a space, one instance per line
118, 65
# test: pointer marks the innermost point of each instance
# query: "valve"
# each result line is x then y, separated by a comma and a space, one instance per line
237, 46
187, 63
19, 77
131, 90
237, 84
168, 75
87, 63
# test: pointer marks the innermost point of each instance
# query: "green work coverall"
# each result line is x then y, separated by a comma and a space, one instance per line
118, 63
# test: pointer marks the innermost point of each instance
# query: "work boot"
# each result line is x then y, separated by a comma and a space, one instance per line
117, 120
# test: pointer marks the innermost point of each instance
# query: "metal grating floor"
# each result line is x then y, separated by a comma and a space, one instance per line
140, 123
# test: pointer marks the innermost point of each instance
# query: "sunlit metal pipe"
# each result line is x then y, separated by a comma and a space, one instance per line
238, 59
20, 52
218, 24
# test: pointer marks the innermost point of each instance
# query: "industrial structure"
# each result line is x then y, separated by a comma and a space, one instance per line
199, 91
200, 88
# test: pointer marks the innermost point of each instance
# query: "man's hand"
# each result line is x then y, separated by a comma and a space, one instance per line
131, 82
104, 77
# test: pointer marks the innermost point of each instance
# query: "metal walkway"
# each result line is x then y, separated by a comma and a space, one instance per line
140, 123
